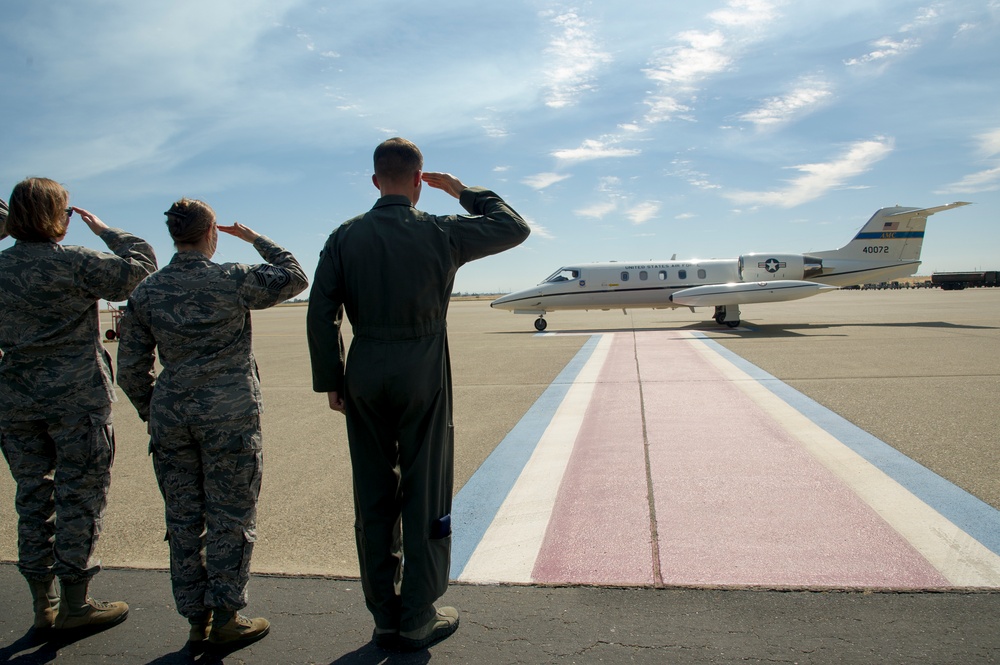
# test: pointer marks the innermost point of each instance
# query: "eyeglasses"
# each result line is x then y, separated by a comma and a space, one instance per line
69, 213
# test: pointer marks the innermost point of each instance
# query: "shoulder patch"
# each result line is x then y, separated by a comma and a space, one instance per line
270, 277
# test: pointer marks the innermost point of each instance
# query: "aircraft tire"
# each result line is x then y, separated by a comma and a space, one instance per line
540, 324
732, 324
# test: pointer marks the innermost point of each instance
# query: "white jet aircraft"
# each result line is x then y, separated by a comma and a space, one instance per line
886, 248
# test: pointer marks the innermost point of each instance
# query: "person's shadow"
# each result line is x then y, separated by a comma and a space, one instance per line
369, 654
205, 655
48, 641
15, 652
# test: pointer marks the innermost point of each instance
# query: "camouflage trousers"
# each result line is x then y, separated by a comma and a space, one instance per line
62, 467
210, 477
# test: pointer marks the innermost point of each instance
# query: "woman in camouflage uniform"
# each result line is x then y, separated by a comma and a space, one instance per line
204, 410
56, 393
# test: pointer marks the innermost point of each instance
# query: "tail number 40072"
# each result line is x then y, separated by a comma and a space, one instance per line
876, 249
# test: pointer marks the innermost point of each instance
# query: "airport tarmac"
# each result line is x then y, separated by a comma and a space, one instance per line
915, 371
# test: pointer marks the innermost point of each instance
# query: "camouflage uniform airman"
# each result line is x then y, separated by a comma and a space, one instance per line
56, 390
204, 410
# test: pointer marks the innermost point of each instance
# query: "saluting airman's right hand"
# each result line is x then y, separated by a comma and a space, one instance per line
240, 231
91, 220
446, 182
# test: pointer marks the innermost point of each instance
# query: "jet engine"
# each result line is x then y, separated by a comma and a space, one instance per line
758, 267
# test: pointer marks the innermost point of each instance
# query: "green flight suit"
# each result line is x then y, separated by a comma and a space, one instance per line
392, 269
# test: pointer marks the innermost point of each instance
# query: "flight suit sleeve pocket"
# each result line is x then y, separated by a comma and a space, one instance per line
441, 528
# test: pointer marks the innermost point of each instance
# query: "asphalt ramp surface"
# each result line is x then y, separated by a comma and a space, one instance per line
321, 620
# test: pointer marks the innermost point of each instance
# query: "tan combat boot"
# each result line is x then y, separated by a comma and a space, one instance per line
201, 627
79, 610
46, 601
442, 625
235, 630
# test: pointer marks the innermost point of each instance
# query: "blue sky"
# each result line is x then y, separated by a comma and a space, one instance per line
620, 131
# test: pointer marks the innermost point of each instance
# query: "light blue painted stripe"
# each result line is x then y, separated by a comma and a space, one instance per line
977, 518
480, 498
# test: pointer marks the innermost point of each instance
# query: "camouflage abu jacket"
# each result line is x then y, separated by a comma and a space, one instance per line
53, 360
197, 314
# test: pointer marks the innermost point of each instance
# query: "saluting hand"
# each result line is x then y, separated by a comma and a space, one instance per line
91, 220
240, 231
446, 182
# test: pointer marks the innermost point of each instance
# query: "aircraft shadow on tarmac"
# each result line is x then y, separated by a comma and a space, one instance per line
791, 330
751, 330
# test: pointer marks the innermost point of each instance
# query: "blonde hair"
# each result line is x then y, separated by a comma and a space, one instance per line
38, 210
188, 220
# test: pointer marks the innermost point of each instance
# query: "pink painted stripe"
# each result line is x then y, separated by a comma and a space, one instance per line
738, 501
599, 531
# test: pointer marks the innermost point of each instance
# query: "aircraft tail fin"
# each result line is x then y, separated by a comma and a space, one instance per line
892, 234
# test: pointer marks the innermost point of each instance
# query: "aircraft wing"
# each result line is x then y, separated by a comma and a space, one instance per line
745, 293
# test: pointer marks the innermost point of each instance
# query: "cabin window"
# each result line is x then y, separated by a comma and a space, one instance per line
682, 274
701, 273
624, 276
643, 275
663, 275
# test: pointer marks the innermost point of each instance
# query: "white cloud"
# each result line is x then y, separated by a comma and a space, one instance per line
983, 181
700, 54
989, 143
597, 210
884, 50
818, 179
594, 149
808, 95
926, 16
987, 180
745, 14
644, 212
543, 180
575, 56
682, 169
538, 230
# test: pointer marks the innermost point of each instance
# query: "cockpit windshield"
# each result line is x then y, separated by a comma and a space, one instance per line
563, 275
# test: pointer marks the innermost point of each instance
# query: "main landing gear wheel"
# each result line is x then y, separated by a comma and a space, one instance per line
722, 312
540, 324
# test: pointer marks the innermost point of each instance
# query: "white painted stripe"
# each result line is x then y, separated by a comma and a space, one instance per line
510, 546
959, 557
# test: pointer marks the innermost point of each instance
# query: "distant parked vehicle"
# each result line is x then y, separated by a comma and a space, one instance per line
956, 281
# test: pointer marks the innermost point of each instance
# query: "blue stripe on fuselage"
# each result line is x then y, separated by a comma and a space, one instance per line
889, 235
